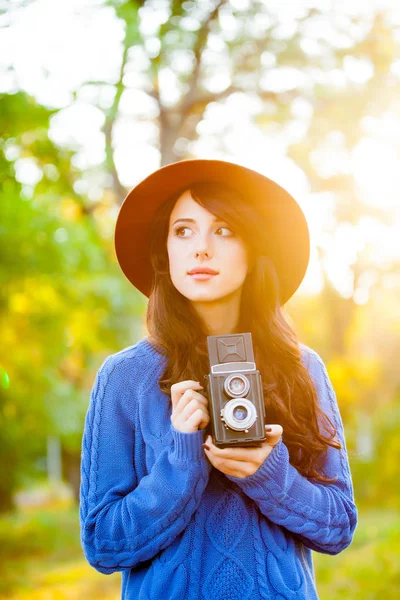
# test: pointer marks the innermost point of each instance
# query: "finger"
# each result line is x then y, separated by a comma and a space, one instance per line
191, 407
198, 418
232, 467
247, 453
187, 397
184, 418
273, 436
275, 428
238, 453
180, 388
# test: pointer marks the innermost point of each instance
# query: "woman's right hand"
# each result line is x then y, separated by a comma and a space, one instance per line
189, 407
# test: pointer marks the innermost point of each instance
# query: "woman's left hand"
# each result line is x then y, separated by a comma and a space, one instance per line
242, 461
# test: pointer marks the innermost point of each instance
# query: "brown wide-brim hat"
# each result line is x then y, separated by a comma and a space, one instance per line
287, 239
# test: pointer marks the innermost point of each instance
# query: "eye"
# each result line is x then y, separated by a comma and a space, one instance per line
231, 232
178, 230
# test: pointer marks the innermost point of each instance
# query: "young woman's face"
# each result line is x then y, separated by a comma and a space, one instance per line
204, 242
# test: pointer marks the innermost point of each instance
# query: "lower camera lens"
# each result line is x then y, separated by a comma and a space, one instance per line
240, 413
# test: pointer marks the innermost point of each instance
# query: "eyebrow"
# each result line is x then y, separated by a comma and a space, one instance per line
187, 220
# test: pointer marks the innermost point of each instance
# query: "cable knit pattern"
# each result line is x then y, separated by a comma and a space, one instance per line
153, 507
323, 516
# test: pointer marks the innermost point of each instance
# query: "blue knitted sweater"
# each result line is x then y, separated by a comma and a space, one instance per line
153, 507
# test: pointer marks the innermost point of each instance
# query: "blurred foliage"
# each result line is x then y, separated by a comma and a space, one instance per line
48, 536
63, 304
375, 479
369, 567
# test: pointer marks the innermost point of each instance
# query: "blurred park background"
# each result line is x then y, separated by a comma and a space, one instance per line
95, 95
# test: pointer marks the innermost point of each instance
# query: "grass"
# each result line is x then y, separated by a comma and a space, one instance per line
370, 568
41, 559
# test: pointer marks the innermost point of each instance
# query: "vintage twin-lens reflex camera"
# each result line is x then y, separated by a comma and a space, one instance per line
234, 392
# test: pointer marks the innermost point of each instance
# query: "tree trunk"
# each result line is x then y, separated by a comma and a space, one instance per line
71, 470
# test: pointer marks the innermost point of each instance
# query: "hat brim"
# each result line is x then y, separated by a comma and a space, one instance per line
287, 234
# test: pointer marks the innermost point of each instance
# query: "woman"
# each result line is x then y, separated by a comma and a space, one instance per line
181, 517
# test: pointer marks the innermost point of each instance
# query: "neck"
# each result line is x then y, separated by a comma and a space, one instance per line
220, 317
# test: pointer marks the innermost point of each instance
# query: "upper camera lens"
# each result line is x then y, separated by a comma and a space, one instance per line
236, 385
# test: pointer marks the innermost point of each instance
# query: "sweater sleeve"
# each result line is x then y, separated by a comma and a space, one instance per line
323, 516
126, 519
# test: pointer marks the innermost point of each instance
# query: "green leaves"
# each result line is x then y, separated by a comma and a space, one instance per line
64, 303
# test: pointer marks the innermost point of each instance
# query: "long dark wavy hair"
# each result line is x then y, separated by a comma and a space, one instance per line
177, 332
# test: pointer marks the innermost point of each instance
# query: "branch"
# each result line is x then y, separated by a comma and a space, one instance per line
111, 116
199, 47
202, 100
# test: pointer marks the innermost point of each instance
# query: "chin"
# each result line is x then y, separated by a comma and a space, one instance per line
201, 296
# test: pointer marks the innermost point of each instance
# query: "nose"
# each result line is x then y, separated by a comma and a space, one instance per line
202, 247
201, 254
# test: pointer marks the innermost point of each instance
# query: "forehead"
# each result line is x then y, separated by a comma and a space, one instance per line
185, 206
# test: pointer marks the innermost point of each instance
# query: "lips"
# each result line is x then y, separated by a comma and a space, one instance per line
202, 276
203, 271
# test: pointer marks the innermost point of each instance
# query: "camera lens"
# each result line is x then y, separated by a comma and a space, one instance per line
240, 413
236, 385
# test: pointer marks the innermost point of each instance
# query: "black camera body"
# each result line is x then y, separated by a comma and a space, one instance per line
234, 391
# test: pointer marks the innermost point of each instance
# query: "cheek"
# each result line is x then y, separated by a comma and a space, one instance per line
237, 257
174, 256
